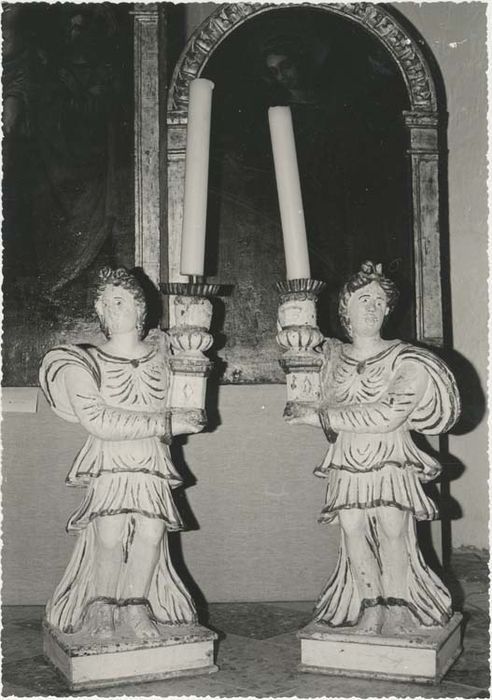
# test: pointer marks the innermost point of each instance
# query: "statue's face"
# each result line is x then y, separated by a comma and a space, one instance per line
119, 310
367, 308
283, 70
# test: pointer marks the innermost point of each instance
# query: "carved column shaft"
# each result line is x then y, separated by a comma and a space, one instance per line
176, 153
424, 156
147, 182
176, 145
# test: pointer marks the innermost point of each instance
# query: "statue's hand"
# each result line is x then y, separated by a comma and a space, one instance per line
304, 413
187, 421
196, 419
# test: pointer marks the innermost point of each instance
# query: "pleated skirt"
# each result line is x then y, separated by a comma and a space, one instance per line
388, 485
127, 492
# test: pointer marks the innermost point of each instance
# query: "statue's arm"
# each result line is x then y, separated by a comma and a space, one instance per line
389, 412
108, 422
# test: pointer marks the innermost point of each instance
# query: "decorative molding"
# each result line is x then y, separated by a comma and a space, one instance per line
373, 18
421, 120
202, 44
401, 45
147, 195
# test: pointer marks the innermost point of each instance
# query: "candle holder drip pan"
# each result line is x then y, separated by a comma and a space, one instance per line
300, 285
191, 289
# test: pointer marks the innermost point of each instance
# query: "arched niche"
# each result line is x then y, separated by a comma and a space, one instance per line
421, 121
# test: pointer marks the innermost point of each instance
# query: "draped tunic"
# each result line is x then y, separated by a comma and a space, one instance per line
373, 405
124, 465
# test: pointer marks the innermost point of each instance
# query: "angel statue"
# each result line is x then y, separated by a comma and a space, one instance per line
120, 577
374, 392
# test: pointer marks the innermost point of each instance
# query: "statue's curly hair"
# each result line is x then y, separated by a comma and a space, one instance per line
120, 277
369, 272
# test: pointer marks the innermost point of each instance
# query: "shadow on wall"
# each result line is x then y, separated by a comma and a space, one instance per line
473, 401
473, 409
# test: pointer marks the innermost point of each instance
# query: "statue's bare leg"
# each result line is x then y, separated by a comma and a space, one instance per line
364, 565
394, 524
108, 559
143, 555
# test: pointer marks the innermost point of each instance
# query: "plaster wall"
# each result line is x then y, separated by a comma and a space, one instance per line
255, 499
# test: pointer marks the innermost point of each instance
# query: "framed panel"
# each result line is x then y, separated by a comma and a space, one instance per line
386, 41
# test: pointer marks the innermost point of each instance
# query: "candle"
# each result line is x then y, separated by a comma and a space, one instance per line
196, 178
289, 193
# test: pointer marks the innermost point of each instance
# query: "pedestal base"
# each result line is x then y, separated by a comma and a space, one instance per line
181, 650
423, 657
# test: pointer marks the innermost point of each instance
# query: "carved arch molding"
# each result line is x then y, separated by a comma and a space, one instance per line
374, 18
422, 120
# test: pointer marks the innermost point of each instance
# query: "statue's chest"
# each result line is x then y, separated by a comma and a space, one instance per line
360, 382
133, 384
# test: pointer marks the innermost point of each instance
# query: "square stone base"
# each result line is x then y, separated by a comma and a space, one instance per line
424, 657
181, 650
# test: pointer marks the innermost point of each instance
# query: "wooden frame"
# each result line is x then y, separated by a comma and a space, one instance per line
422, 120
147, 151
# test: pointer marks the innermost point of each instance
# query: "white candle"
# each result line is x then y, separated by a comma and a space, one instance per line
289, 193
196, 178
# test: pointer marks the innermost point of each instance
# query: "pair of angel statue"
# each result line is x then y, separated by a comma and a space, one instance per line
374, 392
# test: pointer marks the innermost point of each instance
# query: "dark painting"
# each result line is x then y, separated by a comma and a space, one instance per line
347, 98
68, 170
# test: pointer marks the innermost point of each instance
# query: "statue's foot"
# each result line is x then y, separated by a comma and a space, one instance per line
399, 621
137, 618
372, 620
100, 619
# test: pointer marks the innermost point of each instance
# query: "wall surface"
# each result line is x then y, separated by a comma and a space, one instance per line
255, 499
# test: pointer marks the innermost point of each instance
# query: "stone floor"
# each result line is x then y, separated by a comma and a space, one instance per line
258, 652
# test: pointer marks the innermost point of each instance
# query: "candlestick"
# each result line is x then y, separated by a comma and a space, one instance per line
289, 193
196, 178
300, 336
